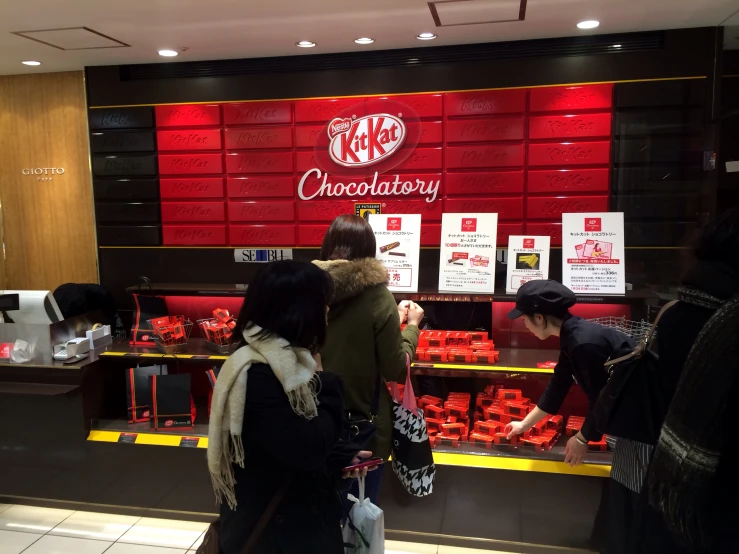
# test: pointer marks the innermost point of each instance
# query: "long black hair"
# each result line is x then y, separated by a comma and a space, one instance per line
288, 299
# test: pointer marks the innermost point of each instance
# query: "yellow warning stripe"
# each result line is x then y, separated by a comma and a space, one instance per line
441, 458
204, 357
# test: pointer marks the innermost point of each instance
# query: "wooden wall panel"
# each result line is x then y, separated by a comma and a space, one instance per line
48, 225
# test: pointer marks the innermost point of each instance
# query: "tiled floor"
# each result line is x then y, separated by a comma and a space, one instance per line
30, 530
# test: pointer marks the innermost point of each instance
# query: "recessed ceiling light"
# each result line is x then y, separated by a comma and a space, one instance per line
589, 24
364, 40
616, 46
168, 53
426, 36
31, 62
305, 44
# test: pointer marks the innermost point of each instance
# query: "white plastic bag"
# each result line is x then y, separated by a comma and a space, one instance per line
364, 531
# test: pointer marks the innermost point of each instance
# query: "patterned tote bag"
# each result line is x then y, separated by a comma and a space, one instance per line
413, 461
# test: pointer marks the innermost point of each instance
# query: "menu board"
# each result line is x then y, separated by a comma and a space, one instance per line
467, 262
593, 253
398, 240
528, 259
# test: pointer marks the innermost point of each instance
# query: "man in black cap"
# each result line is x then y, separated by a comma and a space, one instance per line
544, 306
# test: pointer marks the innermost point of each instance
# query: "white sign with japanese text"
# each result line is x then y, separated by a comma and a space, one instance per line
398, 248
593, 253
528, 259
467, 262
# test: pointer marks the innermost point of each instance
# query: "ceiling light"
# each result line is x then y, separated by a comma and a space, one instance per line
31, 62
426, 36
590, 24
364, 40
305, 44
168, 53
616, 46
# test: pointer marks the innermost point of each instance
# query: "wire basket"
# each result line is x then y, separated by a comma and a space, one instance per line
217, 343
637, 330
174, 340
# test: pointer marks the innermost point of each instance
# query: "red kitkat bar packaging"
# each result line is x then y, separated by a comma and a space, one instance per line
427, 400
488, 427
502, 438
510, 394
600, 446
482, 439
433, 411
453, 429
478, 336
434, 425
555, 422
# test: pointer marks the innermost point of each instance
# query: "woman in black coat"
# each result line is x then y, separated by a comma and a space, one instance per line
277, 420
705, 288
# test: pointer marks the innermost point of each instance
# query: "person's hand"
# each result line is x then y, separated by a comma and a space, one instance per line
361, 455
514, 428
403, 310
415, 314
575, 452
317, 358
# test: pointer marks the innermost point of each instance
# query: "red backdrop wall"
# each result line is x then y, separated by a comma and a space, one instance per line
229, 173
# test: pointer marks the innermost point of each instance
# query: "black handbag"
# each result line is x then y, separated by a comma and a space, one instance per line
147, 306
632, 405
362, 430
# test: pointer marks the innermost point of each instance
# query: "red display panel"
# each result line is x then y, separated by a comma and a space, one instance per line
190, 164
505, 230
488, 102
550, 229
195, 115
571, 181
485, 130
306, 136
525, 154
193, 211
205, 187
262, 235
257, 113
493, 182
259, 138
570, 126
506, 208
430, 211
322, 111
259, 162
552, 207
430, 235
189, 139
194, 235
262, 210
494, 155
325, 211
311, 235
570, 153
423, 105
555, 99
262, 186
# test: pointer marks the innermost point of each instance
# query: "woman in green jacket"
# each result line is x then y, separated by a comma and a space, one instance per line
364, 344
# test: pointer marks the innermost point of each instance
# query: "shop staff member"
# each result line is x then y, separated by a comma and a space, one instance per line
544, 306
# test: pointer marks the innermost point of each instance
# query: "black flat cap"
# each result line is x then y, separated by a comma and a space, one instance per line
542, 296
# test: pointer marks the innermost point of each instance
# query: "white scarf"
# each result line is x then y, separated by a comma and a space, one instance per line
296, 370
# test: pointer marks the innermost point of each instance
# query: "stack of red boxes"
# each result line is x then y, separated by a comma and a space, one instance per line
219, 329
170, 330
448, 421
575, 423
456, 347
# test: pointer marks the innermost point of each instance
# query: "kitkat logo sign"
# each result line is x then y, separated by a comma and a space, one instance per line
593, 224
528, 243
469, 224
365, 141
394, 223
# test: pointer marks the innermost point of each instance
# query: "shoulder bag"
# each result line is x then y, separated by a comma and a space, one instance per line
212, 541
632, 404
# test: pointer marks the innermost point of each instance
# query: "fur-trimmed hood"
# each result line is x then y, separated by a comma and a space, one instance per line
352, 277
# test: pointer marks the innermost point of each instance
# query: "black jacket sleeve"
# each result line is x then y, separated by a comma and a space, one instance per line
558, 387
293, 440
588, 362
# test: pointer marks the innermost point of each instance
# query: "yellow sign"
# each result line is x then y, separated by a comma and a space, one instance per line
364, 210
